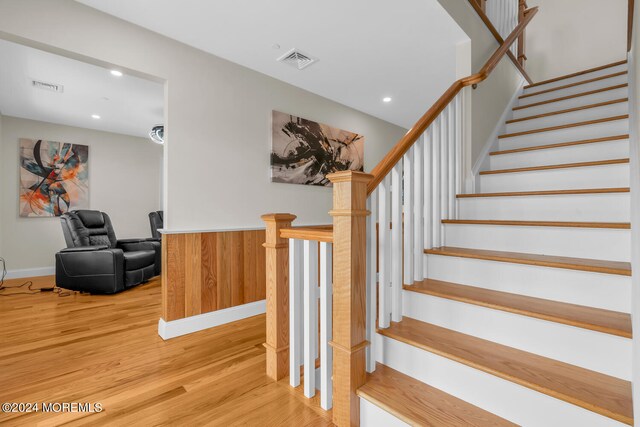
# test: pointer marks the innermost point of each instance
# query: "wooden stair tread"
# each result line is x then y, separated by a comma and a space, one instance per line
582, 264
578, 95
561, 144
558, 166
547, 192
595, 79
579, 73
568, 110
571, 224
417, 403
319, 233
596, 319
591, 390
567, 126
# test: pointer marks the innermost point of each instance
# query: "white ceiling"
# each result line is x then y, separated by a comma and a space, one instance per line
127, 105
367, 49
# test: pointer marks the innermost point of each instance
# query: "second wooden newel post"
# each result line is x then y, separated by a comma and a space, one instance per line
349, 293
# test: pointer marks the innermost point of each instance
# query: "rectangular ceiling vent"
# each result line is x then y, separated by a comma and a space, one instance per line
297, 59
47, 86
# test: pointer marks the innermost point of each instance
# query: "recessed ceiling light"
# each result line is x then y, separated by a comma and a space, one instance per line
116, 73
386, 99
95, 116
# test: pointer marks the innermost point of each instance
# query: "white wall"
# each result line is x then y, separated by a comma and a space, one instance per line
124, 181
217, 115
573, 35
634, 131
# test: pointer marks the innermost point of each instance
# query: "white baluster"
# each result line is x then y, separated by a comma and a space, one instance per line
435, 180
444, 171
418, 210
296, 284
428, 194
326, 352
451, 143
310, 316
396, 242
459, 136
384, 247
372, 278
407, 212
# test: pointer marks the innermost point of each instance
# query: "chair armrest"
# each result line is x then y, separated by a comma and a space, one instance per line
129, 245
91, 270
86, 248
122, 241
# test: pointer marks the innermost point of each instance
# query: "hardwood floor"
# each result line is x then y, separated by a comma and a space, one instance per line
106, 349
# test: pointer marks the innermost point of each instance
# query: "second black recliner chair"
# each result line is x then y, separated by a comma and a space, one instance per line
156, 220
96, 261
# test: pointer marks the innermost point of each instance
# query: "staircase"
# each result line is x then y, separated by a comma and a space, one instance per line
523, 318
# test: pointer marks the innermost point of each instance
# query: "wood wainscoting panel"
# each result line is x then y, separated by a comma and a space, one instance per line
204, 272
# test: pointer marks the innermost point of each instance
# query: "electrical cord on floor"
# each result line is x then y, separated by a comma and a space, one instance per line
28, 284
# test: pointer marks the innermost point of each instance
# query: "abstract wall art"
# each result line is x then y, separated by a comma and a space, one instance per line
54, 177
305, 152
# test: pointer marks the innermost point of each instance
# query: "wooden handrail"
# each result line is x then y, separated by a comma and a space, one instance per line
395, 155
522, 9
318, 233
499, 39
630, 25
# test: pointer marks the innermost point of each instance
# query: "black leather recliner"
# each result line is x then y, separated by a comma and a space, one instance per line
96, 261
156, 220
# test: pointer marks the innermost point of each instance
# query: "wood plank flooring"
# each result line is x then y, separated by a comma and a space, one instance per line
106, 349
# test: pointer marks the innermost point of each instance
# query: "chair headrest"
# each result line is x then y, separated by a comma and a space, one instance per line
91, 219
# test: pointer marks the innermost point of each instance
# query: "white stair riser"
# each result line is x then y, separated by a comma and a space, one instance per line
501, 397
589, 349
612, 81
576, 133
614, 175
607, 291
581, 78
609, 150
611, 110
592, 243
606, 207
372, 415
579, 101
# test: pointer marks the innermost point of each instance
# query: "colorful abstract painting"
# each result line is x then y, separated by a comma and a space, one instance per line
305, 152
54, 177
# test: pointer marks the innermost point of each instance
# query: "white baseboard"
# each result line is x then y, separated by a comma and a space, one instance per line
30, 272
188, 325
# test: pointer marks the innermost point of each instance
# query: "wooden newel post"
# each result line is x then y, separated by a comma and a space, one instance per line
522, 57
277, 253
349, 293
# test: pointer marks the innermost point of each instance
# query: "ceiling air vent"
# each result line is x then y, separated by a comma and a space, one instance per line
297, 59
47, 86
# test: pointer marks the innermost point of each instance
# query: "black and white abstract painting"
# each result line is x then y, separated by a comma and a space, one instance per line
305, 152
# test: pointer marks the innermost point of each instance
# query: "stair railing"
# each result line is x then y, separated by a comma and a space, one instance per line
505, 15
310, 307
382, 223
